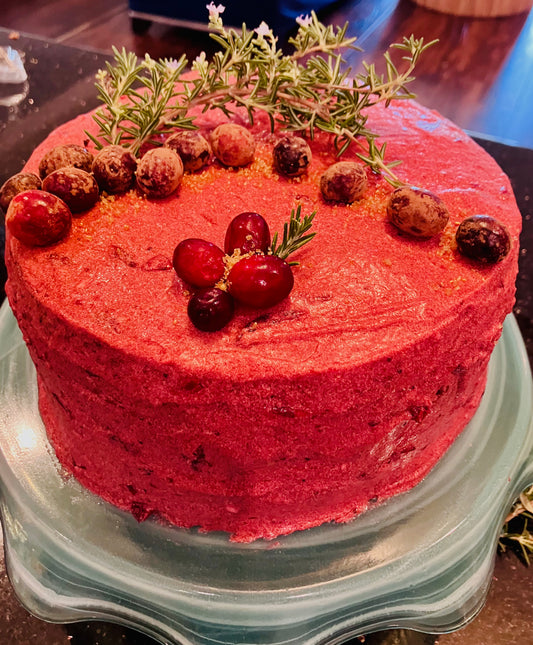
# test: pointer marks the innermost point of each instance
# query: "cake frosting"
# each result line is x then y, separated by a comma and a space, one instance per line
344, 394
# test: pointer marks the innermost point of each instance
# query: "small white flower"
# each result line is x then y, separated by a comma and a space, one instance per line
200, 59
172, 64
304, 21
200, 63
263, 30
214, 10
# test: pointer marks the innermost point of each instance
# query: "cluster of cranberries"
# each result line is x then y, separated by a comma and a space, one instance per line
39, 211
423, 214
39, 208
244, 271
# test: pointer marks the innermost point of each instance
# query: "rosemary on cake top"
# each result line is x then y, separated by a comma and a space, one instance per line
310, 89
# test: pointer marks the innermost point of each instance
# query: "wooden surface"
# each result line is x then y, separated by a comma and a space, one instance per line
480, 74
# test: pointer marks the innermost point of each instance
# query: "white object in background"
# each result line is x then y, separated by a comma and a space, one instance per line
11, 66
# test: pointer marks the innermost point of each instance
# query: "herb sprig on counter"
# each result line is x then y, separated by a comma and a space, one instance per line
520, 516
310, 89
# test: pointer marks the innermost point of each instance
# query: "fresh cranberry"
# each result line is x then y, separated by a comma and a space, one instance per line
114, 169
77, 188
38, 218
483, 238
260, 280
17, 184
159, 172
247, 232
233, 145
418, 212
292, 156
68, 154
192, 147
198, 262
210, 309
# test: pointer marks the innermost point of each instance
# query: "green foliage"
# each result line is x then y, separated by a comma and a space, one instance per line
294, 235
522, 514
308, 90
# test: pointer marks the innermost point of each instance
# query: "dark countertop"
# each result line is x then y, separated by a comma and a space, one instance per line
61, 85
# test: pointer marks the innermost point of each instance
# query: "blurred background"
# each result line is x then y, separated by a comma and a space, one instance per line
479, 74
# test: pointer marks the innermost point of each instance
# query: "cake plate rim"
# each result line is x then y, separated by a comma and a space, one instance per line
46, 565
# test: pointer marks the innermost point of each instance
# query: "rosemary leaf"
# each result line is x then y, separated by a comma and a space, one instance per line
294, 235
308, 90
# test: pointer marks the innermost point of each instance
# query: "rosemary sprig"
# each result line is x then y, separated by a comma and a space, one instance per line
523, 509
305, 91
294, 235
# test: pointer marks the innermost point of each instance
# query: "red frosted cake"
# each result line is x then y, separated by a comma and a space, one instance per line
345, 393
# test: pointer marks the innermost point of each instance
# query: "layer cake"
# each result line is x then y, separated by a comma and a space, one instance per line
344, 394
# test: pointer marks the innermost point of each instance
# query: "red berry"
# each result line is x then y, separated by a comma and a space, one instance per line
483, 238
17, 184
260, 280
292, 156
38, 218
418, 212
68, 154
159, 172
114, 169
233, 145
199, 263
193, 149
247, 232
77, 188
210, 309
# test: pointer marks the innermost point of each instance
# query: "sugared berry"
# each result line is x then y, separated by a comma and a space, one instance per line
292, 156
260, 280
159, 172
210, 309
198, 262
483, 238
77, 188
38, 218
233, 145
417, 212
68, 154
344, 181
192, 147
247, 232
17, 184
114, 169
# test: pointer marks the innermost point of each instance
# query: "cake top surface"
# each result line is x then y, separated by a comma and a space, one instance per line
362, 288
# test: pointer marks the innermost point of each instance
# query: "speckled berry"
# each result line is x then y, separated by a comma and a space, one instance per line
292, 156
344, 181
77, 188
17, 184
233, 145
69, 154
114, 169
192, 147
247, 232
38, 218
417, 212
198, 262
483, 238
159, 172
260, 280
210, 309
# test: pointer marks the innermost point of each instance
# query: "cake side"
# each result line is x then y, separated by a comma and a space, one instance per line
348, 391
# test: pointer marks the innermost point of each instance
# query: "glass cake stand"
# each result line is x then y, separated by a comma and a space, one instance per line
422, 560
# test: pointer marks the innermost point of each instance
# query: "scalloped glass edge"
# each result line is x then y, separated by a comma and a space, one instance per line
421, 560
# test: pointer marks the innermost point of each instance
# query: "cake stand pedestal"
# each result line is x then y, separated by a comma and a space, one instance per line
423, 560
